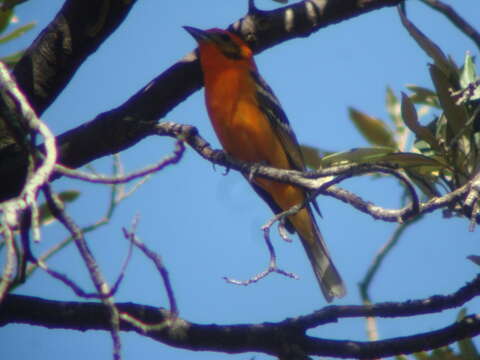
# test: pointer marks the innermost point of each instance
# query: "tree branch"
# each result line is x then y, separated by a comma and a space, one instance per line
282, 338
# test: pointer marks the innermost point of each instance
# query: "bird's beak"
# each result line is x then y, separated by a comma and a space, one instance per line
199, 35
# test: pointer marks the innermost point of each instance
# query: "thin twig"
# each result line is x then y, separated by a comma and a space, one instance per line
92, 266
364, 285
157, 260
116, 197
120, 179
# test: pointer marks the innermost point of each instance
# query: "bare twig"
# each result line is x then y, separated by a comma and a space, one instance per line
272, 264
364, 285
120, 179
95, 274
157, 260
117, 195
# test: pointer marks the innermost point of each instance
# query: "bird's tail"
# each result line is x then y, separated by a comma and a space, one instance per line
327, 275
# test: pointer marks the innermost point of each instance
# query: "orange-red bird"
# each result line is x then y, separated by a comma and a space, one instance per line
252, 127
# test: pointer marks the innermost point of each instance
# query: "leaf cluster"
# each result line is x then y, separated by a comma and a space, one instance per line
444, 152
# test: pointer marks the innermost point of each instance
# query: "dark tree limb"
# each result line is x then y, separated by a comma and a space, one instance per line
124, 126
77, 31
286, 338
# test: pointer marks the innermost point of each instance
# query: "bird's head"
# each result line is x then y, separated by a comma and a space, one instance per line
228, 44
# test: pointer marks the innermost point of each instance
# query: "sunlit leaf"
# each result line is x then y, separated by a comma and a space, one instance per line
313, 156
393, 109
46, 217
423, 355
468, 74
357, 155
410, 118
17, 33
373, 129
423, 95
412, 160
467, 348
12, 59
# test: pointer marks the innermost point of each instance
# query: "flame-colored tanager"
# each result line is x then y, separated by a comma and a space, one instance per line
252, 127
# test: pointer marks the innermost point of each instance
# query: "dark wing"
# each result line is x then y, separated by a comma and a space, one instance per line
278, 119
280, 124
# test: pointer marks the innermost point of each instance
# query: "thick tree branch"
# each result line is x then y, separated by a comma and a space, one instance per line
283, 338
48, 65
127, 124
77, 31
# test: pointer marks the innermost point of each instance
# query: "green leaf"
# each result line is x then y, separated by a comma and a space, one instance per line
409, 115
425, 182
424, 164
12, 59
357, 155
468, 350
17, 33
5, 18
423, 95
423, 355
313, 156
393, 109
456, 114
468, 74
373, 129
432, 49
46, 217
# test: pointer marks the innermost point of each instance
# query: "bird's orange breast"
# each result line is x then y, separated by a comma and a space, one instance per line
242, 128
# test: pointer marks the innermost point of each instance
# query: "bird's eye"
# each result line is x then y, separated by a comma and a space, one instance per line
224, 37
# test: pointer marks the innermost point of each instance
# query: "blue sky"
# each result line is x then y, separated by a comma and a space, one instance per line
206, 225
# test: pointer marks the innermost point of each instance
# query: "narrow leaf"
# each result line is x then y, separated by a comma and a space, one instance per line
373, 129
393, 108
17, 33
313, 156
12, 59
423, 95
469, 73
409, 115
456, 114
432, 49
358, 156
46, 217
